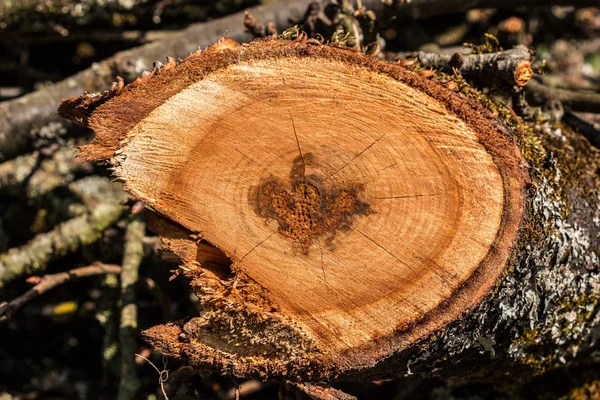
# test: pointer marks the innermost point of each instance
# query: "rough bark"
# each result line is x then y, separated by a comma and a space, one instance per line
529, 303
544, 313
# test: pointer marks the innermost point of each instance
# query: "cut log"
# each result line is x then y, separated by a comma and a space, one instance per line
331, 210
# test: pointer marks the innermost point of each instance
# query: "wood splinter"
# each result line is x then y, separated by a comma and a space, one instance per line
330, 209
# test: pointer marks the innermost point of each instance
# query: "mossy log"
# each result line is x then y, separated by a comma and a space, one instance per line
343, 218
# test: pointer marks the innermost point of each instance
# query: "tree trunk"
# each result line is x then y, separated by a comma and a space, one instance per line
344, 218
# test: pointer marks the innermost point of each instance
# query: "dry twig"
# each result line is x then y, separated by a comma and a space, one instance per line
416, 9
573, 100
132, 257
162, 375
49, 282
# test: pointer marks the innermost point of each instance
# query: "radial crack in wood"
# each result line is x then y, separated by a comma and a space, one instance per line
361, 206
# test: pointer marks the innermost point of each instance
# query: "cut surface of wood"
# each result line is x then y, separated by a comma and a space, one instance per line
347, 201
367, 205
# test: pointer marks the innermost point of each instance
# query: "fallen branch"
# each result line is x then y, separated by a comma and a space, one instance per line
13, 173
49, 282
134, 252
33, 174
108, 318
322, 391
60, 18
584, 101
512, 66
103, 201
138, 37
585, 128
417, 9
22, 119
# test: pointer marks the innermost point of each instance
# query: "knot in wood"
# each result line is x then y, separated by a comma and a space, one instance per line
305, 208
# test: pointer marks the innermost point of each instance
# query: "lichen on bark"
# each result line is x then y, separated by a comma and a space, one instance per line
544, 313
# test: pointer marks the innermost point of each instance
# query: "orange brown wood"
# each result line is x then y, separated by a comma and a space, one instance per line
364, 205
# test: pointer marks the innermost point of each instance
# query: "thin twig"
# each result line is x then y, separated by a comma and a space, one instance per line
162, 375
584, 101
132, 258
416, 9
49, 282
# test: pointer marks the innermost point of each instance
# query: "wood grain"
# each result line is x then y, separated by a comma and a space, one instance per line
369, 206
